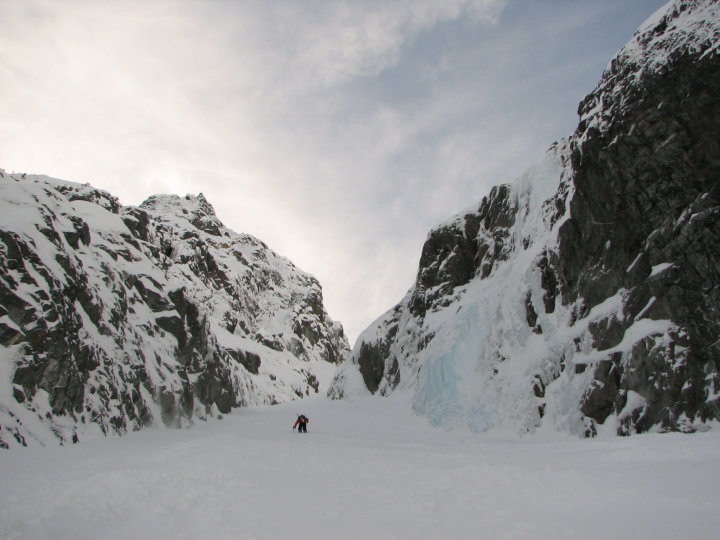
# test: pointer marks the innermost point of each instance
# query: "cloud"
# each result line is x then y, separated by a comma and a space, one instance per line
337, 132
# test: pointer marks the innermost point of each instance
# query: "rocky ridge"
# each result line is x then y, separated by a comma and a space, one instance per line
585, 296
114, 318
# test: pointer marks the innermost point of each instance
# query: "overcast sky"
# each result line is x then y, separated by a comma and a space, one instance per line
338, 132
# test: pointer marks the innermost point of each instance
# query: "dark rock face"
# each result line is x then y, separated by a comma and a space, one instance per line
115, 318
375, 366
456, 252
649, 184
615, 273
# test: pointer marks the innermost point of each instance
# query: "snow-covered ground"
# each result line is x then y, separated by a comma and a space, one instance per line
368, 469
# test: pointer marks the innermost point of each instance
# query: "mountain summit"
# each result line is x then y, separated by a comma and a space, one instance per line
585, 296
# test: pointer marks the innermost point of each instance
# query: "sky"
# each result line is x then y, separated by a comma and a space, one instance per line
337, 132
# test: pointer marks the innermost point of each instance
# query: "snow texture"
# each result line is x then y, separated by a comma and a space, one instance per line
364, 470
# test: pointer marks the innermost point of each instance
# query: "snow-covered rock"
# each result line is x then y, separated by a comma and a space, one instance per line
113, 318
585, 296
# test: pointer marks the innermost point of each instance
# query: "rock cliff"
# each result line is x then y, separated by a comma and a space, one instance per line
585, 296
114, 318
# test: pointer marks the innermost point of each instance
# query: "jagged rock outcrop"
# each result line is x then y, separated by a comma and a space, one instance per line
586, 295
113, 318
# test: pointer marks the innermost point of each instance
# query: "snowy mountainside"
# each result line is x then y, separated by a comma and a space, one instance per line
584, 296
113, 318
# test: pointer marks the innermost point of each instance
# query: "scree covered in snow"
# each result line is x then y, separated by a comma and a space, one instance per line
368, 469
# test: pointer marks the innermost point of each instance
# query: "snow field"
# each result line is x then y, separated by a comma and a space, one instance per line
368, 469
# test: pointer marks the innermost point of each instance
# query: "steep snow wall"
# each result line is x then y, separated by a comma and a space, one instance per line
113, 318
585, 295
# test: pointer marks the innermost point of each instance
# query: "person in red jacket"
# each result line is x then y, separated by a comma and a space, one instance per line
301, 423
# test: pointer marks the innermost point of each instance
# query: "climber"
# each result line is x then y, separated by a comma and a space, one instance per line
301, 423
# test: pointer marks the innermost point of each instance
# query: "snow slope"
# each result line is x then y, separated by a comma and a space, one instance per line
367, 469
